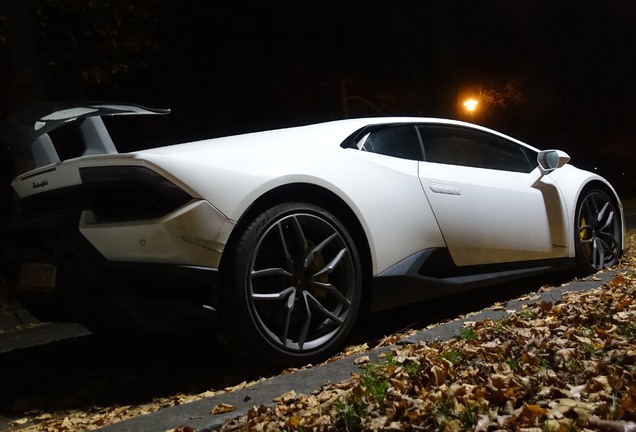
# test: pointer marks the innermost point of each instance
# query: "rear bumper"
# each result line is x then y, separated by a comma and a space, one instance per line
99, 293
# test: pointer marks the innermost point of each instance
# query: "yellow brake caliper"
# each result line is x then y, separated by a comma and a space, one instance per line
582, 232
317, 264
587, 247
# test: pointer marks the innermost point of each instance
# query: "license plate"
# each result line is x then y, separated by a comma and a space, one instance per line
38, 277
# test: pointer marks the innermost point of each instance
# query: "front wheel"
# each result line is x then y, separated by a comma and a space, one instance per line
598, 232
293, 286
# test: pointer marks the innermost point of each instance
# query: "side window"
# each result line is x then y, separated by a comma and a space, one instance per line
398, 141
462, 146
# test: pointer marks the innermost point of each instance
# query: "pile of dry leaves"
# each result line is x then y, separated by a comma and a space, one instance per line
563, 367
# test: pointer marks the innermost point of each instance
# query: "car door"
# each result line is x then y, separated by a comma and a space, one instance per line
478, 187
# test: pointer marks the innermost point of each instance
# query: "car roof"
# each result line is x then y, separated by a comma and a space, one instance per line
331, 133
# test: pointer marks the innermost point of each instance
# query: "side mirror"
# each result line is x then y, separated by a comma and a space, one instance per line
548, 160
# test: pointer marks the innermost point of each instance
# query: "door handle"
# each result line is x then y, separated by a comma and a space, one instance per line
443, 188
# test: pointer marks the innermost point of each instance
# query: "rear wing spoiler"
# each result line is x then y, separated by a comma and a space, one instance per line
27, 133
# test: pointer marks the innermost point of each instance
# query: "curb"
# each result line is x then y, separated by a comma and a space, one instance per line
34, 332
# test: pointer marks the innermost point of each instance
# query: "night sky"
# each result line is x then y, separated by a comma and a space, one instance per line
556, 74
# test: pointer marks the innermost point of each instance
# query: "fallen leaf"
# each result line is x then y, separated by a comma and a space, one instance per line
222, 408
362, 360
286, 397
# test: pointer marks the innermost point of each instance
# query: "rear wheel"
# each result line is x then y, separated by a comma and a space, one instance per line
598, 232
293, 287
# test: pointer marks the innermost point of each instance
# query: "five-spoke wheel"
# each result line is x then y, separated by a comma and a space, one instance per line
295, 284
598, 232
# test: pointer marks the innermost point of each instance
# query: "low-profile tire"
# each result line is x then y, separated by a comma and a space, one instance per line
292, 288
597, 232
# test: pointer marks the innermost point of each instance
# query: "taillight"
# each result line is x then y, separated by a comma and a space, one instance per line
125, 193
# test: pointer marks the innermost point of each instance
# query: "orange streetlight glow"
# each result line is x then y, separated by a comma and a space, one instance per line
471, 104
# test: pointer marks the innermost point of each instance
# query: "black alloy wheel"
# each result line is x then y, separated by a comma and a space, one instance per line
598, 232
295, 285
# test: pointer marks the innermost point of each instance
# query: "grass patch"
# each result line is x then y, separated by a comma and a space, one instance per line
454, 356
468, 333
350, 415
527, 313
375, 382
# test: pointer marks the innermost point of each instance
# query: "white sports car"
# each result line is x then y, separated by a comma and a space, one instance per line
285, 237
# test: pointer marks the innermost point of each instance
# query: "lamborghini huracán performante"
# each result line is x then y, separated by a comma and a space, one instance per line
284, 238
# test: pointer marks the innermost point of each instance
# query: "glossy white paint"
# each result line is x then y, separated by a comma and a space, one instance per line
483, 216
495, 216
192, 235
62, 174
383, 192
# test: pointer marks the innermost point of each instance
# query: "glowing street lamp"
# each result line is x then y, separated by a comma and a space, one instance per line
471, 104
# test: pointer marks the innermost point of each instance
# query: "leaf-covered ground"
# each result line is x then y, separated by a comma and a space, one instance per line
563, 367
